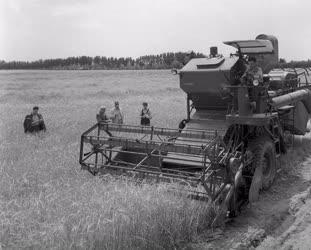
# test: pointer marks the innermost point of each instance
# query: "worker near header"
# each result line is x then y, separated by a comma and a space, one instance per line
102, 116
253, 74
145, 115
116, 114
34, 122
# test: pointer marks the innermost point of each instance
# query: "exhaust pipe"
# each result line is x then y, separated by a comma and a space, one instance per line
213, 51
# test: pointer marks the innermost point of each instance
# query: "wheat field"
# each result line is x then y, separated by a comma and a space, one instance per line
47, 202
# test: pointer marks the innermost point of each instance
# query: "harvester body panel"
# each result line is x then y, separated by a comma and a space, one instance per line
205, 78
214, 120
296, 120
281, 79
268, 61
257, 46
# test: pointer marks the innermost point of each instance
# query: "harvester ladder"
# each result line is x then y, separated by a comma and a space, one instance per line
275, 126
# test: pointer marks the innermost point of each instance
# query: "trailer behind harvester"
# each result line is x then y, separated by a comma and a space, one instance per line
233, 135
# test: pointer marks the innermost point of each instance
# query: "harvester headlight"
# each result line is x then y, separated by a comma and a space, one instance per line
255, 82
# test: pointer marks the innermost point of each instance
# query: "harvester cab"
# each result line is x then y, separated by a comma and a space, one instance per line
226, 149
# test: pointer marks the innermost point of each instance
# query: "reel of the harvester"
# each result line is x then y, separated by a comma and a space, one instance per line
200, 159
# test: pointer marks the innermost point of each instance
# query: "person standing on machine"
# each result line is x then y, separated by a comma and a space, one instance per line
253, 74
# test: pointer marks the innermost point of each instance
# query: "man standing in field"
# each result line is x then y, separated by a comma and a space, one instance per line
34, 122
145, 115
116, 114
101, 116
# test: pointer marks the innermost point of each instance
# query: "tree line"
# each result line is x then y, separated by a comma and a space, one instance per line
294, 64
161, 61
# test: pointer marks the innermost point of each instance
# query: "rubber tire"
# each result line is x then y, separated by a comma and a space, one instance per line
264, 149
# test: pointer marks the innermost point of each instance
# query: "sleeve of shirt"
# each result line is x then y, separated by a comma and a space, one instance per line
43, 125
260, 74
42, 122
246, 70
27, 123
122, 116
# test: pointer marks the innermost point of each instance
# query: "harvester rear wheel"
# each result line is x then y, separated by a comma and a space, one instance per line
264, 165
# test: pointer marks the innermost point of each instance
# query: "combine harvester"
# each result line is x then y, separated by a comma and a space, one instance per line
228, 149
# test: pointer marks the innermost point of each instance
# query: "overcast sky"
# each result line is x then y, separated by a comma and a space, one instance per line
34, 29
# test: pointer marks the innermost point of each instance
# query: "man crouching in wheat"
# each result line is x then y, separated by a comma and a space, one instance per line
34, 122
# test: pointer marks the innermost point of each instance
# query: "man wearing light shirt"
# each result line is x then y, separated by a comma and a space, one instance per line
116, 114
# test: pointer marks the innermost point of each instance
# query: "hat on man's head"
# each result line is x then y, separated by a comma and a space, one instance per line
35, 108
116, 103
102, 107
145, 103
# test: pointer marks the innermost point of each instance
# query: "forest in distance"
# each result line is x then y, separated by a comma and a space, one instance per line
162, 61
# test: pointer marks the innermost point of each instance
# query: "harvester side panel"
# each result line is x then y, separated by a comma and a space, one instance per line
205, 84
267, 61
297, 119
